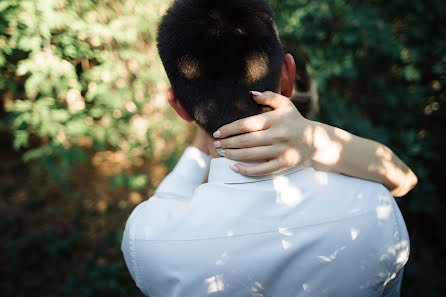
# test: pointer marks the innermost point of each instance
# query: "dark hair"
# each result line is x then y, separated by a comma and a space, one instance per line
215, 52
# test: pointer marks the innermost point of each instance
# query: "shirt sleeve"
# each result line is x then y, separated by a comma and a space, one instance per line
128, 247
189, 173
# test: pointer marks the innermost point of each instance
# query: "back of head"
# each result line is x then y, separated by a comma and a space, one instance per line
215, 52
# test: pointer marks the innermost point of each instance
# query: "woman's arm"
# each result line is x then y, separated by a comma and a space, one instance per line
283, 139
363, 158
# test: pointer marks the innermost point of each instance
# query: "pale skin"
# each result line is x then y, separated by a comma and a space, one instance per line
283, 139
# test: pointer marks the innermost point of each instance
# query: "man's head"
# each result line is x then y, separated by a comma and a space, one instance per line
215, 52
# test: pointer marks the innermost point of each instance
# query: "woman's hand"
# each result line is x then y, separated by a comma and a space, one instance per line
282, 138
285, 139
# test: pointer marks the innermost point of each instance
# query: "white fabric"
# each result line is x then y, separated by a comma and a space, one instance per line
297, 233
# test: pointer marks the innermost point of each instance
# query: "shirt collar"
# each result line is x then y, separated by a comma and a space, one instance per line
221, 173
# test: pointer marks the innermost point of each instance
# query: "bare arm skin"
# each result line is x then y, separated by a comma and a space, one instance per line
283, 138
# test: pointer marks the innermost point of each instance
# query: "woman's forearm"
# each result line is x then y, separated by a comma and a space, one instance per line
363, 158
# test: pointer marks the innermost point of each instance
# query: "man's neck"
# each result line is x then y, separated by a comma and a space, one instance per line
211, 148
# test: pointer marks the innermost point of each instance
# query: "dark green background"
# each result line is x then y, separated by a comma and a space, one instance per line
381, 72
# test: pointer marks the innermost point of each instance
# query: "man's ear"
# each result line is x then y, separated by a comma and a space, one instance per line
175, 103
287, 76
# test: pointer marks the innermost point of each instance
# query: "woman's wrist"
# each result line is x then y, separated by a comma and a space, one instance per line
327, 143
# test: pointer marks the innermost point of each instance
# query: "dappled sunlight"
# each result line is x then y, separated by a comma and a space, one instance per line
285, 231
332, 256
256, 67
354, 233
197, 157
292, 156
286, 244
223, 259
257, 290
287, 194
343, 135
323, 140
383, 212
401, 250
403, 254
215, 283
189, 66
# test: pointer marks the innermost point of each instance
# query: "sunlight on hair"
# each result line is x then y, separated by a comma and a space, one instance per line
215, 283
286, 194
203, 110
189, 67
256, 67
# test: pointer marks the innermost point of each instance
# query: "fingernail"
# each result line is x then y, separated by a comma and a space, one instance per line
234, 168
217, 134
217, 144
256, 93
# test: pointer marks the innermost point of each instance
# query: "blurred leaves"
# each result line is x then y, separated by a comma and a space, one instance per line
82, 74
380, 67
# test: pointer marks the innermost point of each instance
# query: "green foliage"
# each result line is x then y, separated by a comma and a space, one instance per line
380, 67
81, 74
135, 182
84, 76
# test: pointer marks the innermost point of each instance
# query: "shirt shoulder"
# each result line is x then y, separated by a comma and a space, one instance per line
151, 218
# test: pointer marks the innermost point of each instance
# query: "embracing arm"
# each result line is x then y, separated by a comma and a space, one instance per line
283, 138
360, 157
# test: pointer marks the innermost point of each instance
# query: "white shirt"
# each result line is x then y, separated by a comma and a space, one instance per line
297, 233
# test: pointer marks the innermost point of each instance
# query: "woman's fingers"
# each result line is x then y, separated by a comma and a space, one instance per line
259, 122
274, 100
253, 139
260, 153
258, 170
250, 124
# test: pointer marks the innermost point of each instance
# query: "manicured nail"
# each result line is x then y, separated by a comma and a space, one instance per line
217, 134
217, 144
234, 168
255, 93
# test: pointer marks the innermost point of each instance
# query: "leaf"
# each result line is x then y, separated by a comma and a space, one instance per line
20, 139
